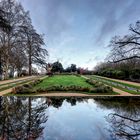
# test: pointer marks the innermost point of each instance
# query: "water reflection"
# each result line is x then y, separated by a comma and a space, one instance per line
56, 118
125, 120
20, 119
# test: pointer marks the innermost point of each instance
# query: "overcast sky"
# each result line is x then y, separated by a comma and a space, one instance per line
78, 31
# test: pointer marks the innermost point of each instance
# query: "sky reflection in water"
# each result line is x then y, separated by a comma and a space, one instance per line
101, 118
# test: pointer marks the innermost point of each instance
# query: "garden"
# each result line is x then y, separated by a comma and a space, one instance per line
65, 84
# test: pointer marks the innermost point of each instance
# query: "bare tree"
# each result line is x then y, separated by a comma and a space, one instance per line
34, 41
21, 43
127, 47
8, 40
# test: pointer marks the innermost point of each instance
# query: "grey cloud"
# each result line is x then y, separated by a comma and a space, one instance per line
59, 16
89, 22
114, 17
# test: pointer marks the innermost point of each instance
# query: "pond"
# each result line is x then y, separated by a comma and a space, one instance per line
71, 118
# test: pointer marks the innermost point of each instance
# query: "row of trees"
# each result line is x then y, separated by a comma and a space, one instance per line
123, 61
58, 67
20, 44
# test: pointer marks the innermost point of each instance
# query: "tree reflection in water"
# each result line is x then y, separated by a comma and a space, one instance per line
123, 127
125, 121
24, 118
21, 118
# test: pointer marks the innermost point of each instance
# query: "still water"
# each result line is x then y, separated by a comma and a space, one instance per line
56, 118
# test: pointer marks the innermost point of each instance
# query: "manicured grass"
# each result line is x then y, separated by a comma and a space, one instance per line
67, 81
66, 84
99, 78
64, 80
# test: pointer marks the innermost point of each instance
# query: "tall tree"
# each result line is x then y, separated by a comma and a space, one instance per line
35, 52
21, 41
9, 40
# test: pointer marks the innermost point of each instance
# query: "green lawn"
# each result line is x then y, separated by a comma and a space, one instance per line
64, 83
64, 80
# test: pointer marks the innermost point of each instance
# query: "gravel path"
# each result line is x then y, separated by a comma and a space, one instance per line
77, 95
15, 80
5, 91
121, 92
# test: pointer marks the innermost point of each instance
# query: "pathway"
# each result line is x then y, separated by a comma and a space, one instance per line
15, 80
76, 95
4, 92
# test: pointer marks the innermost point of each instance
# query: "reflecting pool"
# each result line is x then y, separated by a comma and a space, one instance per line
71, 118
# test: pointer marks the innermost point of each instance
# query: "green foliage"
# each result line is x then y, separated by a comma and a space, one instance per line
72, 83
64, 83
135, 74
73, 68
57, 67
112, 73
65, 80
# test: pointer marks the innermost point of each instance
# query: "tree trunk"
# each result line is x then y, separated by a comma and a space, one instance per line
29, 117
30, 61
0, 68
6, 70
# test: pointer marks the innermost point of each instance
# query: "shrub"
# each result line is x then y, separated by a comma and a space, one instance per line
99, 87
135, 74
26, 88
93, 82
102, 89
21, 90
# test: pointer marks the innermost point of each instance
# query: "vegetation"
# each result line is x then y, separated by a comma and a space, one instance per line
26, 88
57, 67
72, 68
65, 80
19, 116
64, 83
13, 84
123, 61
21, 45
